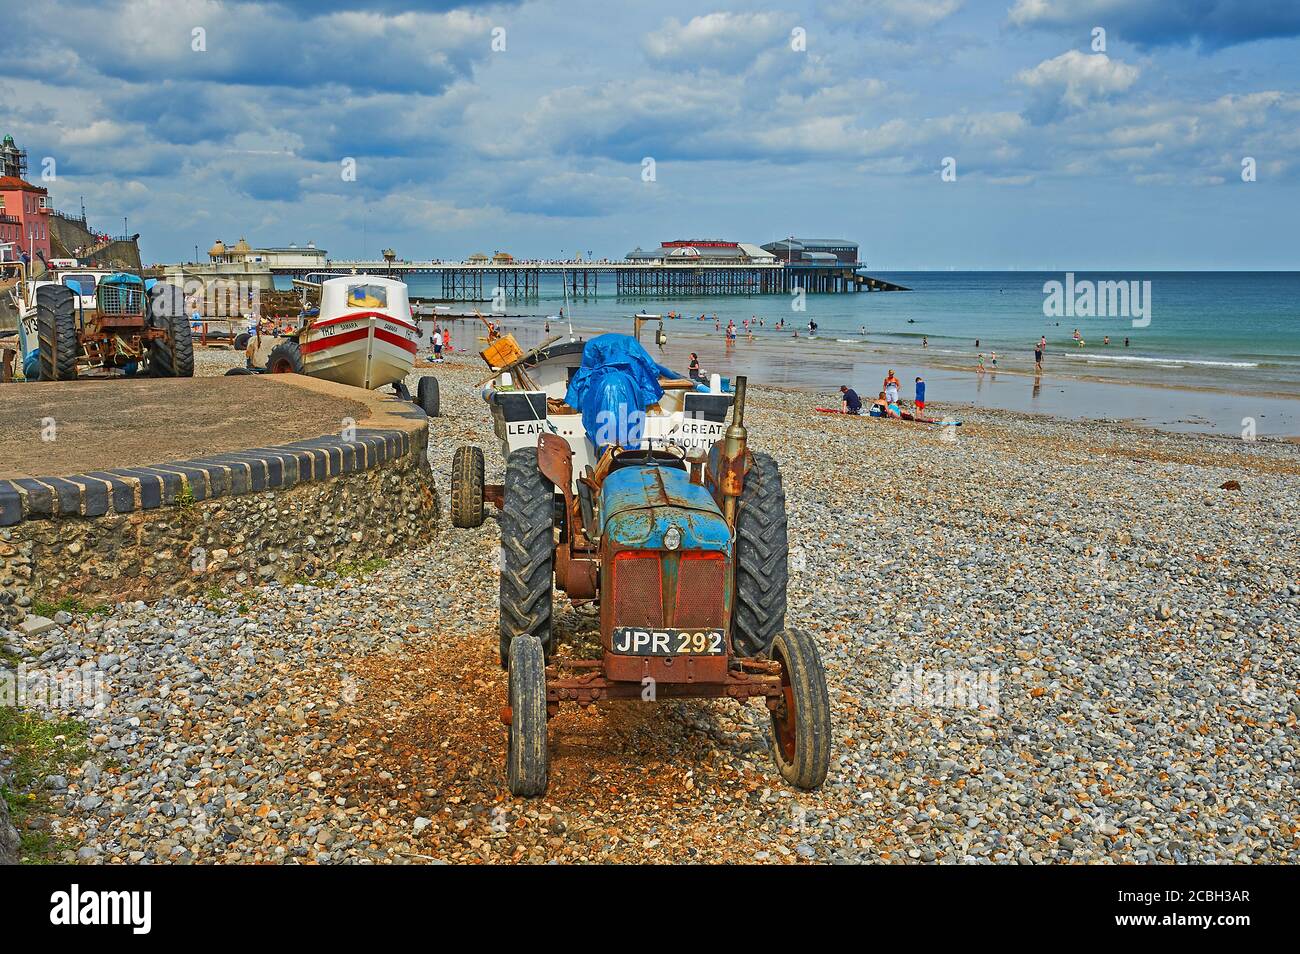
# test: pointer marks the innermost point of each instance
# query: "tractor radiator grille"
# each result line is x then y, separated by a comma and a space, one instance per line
699, 590
117, 299
638, 590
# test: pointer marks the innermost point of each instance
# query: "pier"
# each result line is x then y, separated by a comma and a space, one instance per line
467, 281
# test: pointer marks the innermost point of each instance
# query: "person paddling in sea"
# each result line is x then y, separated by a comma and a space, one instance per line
850, 403
980, 366
1038, 352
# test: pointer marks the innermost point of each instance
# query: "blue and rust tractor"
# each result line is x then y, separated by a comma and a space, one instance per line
135, 326
687, 559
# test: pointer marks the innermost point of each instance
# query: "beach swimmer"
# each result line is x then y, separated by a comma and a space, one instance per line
920, 394
850, 403
1038, 352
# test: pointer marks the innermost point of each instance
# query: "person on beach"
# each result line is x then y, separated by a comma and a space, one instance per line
892, 386
1125, 342
850, 403
1038, 354
920, 394
994, 358
694, 369
883, 407
1106, 340
925, 342
437, 345
980, 366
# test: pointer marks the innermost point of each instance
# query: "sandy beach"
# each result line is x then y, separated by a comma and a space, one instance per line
1046, 641
1068, 387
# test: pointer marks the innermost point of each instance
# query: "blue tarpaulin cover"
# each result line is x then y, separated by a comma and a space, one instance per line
617, 381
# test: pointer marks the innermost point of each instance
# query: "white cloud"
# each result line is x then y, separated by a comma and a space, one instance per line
722, 41
893, 16
1073, 81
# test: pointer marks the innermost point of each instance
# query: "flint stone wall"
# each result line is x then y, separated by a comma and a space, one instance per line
183, 528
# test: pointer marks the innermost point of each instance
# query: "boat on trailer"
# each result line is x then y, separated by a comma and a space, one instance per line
361, 334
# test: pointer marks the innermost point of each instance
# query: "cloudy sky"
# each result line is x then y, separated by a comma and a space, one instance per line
527, 126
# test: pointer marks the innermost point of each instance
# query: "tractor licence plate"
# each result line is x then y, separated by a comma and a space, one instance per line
633, 641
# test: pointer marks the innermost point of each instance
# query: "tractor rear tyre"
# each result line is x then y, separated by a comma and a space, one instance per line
526, 755
801, 728
56, 329
467, 487
241, 340
428, 395
173, 355
527, 553
286, 358
762, 552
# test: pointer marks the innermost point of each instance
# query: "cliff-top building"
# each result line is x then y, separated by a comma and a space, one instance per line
24, 220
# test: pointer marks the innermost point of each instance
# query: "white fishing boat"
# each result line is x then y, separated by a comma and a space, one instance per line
363, 335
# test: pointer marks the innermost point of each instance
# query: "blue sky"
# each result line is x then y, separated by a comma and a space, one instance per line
1066, 156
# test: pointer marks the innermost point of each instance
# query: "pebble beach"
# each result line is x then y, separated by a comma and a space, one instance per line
1046, 641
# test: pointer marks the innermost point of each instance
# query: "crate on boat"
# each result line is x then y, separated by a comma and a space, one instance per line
502, 353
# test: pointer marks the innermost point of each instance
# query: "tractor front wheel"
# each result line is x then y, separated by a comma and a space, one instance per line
467, 486
527, 757
527, 553
762, 553
173, 355
286, 358
56, 329
801, 726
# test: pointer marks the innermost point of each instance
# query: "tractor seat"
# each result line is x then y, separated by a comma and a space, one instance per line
643, 458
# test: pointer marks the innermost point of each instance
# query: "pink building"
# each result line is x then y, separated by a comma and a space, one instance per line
24, 218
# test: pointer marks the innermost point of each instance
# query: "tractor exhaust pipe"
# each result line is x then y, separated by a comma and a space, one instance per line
732, 476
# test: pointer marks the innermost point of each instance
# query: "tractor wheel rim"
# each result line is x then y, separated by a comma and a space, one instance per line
784, 722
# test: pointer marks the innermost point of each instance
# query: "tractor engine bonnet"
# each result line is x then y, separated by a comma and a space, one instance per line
653, 586
638, 504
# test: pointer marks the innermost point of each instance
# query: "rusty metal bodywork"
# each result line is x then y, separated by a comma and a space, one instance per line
623, 559
118, 331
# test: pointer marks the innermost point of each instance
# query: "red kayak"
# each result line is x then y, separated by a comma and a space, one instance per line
904, 415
